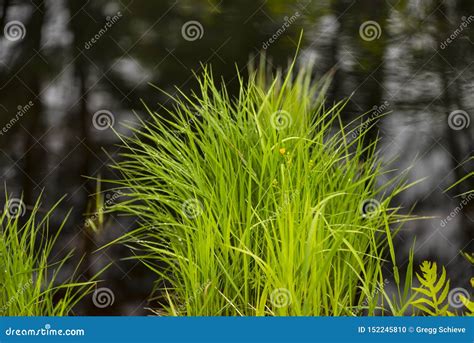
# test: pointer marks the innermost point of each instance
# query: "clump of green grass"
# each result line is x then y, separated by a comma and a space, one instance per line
28, 279
258, 204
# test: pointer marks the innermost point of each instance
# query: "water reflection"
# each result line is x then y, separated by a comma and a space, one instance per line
74, 59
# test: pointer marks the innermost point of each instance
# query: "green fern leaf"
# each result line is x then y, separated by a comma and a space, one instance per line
469, 304
444, 295
433, 291
441, 282
425, 309
426, 301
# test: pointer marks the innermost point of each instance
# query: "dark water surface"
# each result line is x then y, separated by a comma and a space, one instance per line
66, 66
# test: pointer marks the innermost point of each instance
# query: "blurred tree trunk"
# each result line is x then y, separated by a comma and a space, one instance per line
84, 119
85, 166
337, 7
3, 19
367, 74
371, 75
451, 95
35, 157
457, 140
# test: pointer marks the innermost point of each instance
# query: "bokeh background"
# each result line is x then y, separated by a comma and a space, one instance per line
70, 69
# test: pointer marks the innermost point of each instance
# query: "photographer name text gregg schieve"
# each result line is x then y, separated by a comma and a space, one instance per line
440, 329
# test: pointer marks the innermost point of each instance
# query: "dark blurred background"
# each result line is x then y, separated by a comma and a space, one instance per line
69, 69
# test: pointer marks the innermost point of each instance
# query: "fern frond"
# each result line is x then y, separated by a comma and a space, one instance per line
433, 290
469, 305
469, 257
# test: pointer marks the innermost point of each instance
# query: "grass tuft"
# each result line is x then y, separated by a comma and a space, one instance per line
258, 204
29, 281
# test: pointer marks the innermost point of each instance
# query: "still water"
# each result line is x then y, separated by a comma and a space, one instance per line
72, 68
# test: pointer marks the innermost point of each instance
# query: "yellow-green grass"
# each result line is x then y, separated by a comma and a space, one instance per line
258, 204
